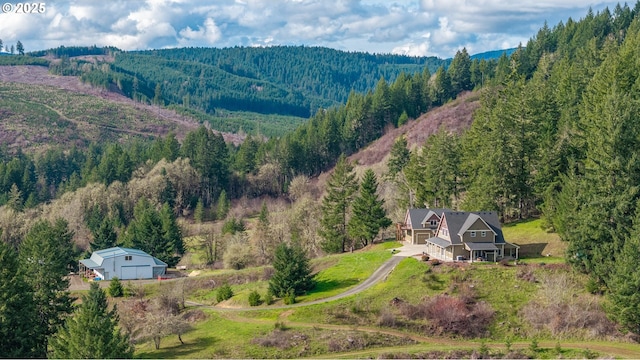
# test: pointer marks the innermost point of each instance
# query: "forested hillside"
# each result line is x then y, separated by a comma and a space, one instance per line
557, 137
283, 80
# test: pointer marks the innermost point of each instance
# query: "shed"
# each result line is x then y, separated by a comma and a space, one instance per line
124, 263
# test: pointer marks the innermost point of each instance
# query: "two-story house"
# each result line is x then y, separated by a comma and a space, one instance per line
470, 236
421, 224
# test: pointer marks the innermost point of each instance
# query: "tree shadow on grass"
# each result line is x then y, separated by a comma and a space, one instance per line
330, 285
186, 350
532, 250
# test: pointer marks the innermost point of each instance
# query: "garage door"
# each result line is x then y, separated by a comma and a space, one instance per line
421, 238
135, 272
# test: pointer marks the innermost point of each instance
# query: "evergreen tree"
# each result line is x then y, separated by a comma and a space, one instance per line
18, 317
171, 147
262, 237
224, 204
341, 187
104, 236
460, 72
92, 333
147, 232
45, 257
292, 271
20, 48
441, 160
15, 198
172, 234
399, 156
441, 90
611, 165
198, 213
115, 287
624, 282
369, 216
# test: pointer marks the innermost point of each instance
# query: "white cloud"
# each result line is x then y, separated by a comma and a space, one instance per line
364, 25
210, 33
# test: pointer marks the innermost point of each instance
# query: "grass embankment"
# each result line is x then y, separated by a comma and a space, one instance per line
375, 322
535, 243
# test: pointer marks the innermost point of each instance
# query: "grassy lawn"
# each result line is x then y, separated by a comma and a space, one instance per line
347, 271
336, 274
534, 241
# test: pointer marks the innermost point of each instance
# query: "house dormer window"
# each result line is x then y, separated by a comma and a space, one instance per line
128, 258
433, 222
473, 234
483, 233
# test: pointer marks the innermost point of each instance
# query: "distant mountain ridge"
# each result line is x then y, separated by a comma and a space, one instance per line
241, 89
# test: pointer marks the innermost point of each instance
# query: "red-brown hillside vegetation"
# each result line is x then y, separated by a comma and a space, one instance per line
455, 116
163, 120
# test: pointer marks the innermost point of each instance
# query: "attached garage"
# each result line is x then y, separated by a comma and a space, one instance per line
125, 263
421, 237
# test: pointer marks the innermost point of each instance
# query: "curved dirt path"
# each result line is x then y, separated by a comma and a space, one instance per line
381, 273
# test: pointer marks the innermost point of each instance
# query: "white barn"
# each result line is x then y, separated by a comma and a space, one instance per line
124, 263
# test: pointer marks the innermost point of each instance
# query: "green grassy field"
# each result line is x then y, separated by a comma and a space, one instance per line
354, 327
534, 241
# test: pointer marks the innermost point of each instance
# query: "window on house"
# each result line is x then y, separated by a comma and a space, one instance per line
128, 257
433, 222
483, 233
473, 234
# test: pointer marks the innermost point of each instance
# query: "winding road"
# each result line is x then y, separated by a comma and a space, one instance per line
380, 274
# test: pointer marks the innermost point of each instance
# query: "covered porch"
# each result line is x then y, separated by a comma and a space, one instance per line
482, 251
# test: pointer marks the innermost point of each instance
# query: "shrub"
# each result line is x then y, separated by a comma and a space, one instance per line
526, 274
268, 298
484, 349
115, 288
280, 326
533, 347
289, 298
224, 293
237, 256
387, 319
451, 315
254, 298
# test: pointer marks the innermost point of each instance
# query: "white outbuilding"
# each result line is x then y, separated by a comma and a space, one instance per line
124, 263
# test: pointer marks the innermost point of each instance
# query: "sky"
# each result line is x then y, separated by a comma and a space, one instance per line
410, 27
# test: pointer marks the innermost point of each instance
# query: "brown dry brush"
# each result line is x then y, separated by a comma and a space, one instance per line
456, 316
563, 309
146, 319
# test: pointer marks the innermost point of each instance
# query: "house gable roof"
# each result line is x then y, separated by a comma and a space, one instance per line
472, 219
456, 220
417, 216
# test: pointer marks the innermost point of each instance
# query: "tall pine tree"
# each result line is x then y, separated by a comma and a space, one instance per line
369, 216
292, 271
45, 257
341, 187
92, 333
18, 317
